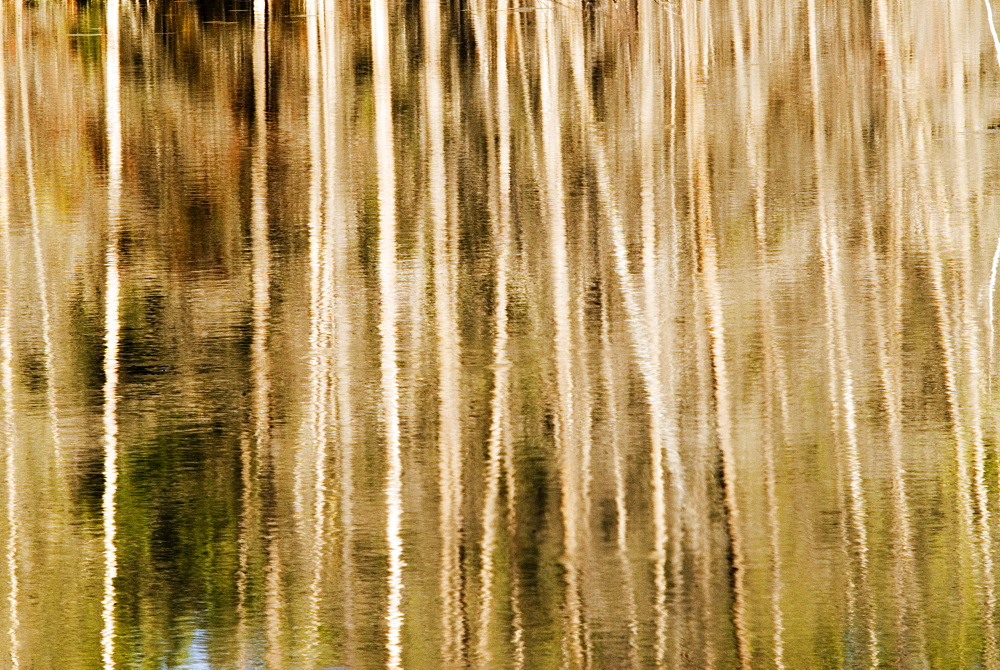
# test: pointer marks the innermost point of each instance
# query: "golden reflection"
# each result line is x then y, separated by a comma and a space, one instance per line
664, 449
566, 432
501, 411
584, 422
112, 324
319, 343
337, 236
260, 359
841, 376
929, 223
957, 222
247, 525
890, 342
499, 433
517, 632
36, 237
659, 387
704, 462
7, 383
650, 301
386, 167
446, 321
708, 262
752, 78
612, 392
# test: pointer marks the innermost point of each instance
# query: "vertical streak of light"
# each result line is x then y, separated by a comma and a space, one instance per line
386, 168
842, 382
499, 400
259, 12
337, 234
565, 430
650, 303
36, 241
7, 380
449, 419
772, 363
318, 359
708, 260
112, 324
260, 362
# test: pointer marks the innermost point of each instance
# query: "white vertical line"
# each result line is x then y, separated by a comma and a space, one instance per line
382, 76
112, 325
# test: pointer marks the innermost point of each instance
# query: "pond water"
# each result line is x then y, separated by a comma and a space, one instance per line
499, 334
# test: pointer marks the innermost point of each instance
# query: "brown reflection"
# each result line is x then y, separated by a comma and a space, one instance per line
112, 324
7, 384
703, 615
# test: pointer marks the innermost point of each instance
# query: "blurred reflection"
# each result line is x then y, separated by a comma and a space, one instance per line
630, 335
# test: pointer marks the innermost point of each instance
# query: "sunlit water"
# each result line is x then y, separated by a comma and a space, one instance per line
623, 334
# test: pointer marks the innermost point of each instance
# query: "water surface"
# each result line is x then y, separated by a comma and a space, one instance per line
607, 335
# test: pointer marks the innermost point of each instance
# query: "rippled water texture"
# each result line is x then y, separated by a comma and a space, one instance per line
483, 334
